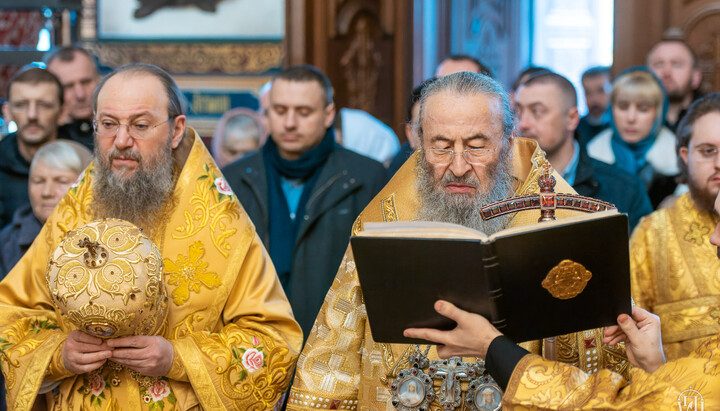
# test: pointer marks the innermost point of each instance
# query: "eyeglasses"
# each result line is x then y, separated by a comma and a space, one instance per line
23, 106
705, 153
138, 130
444, 156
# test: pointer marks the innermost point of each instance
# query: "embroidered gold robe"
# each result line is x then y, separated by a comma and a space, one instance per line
342, 367
676, 274
230, 324
688, 383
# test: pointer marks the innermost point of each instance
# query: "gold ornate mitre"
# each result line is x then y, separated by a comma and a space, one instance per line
107, 277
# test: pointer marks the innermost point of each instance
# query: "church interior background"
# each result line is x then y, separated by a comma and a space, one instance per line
374, 51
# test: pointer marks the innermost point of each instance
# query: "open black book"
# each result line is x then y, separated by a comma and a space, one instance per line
531, 282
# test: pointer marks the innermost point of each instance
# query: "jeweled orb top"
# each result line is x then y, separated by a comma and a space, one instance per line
107, 277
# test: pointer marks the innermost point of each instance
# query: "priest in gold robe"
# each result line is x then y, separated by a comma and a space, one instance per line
229, 341
468, 158
688, 383
674, 268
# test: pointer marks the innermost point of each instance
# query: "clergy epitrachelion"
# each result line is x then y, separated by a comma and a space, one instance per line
531, 282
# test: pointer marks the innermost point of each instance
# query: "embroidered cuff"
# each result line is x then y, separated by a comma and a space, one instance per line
56, 370
177, 370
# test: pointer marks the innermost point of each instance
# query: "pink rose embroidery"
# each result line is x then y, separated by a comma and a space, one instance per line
97, 385
255, 341
223, 187
159, 390
79, 179
252, 360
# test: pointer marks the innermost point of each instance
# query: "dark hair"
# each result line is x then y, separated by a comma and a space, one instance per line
306, 72
708, 104
177, 105
678, 41
525, 74
34, 75
415, 95
481, 68
596, 71
67, 54
563, 84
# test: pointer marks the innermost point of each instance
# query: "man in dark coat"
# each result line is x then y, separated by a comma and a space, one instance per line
546, 105
35, 102
302, 190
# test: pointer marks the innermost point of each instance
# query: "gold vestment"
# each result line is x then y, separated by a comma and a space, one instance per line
688, 383
676, 274
342, 367
234, 337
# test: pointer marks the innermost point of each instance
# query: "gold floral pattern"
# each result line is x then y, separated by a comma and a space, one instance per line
189, 274
212, 205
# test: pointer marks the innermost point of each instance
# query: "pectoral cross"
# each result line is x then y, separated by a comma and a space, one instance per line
451, 371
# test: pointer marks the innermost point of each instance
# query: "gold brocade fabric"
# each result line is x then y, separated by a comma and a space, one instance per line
676, 274
342, 367
689, 383
230, 324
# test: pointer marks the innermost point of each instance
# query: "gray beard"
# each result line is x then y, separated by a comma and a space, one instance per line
464, 209
140, 198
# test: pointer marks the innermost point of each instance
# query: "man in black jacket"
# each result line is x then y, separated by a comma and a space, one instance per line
546, 105
302, 190
35, 102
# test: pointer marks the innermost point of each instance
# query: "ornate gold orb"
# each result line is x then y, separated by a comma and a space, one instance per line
107, 277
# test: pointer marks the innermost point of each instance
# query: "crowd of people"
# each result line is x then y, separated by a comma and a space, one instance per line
265, 307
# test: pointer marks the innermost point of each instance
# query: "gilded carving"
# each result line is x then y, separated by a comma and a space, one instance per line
196, 58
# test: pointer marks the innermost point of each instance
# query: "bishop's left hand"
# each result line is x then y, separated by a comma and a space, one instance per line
470, 338
148, 355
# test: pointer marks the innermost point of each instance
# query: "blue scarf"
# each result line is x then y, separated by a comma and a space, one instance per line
631, 157
283, 230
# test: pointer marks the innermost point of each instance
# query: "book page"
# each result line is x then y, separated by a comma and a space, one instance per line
421, 229
556, 223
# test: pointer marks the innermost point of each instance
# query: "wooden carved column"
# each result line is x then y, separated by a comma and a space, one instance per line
364, 46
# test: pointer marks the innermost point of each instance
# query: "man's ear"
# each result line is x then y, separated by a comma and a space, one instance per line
178, 130
573, 119
696, 79
684, 154
330, 115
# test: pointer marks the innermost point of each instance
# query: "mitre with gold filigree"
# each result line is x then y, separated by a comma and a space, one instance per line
107, 278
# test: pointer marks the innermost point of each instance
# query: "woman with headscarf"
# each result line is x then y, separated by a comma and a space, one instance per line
637, 141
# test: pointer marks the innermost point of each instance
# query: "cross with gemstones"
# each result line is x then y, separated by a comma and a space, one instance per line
451, 370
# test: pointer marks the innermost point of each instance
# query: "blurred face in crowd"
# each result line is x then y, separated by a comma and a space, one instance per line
672, 62
453, 187
597, 94
703, 161
298, 116
46, 186
79, 78
545, 116
35, 108
456, 66
634, 117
